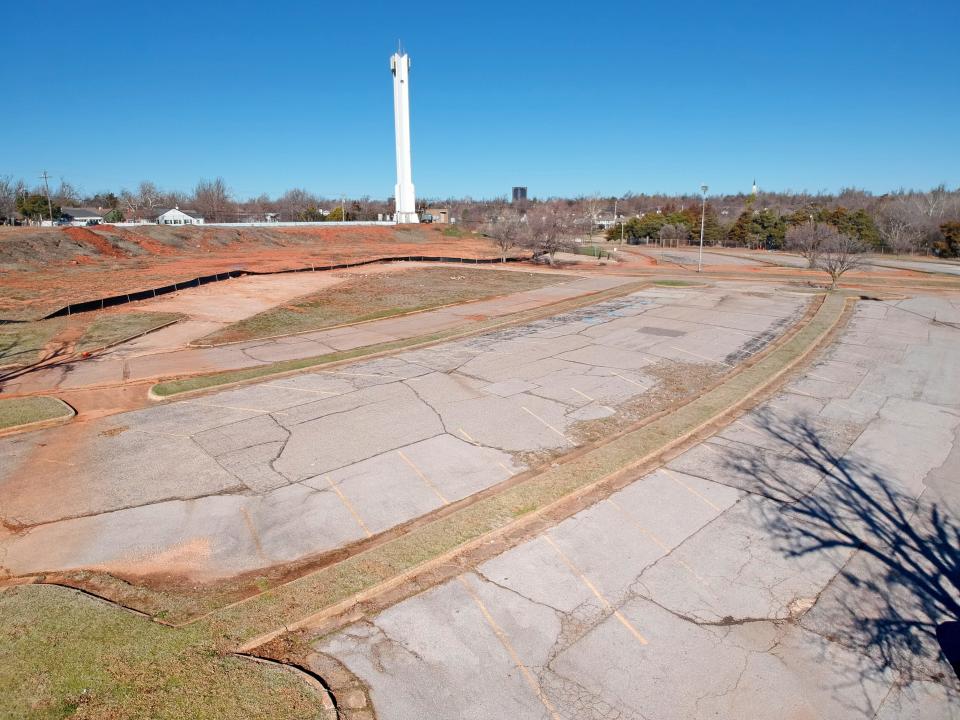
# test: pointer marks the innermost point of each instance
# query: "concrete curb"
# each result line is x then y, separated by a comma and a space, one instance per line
41, 424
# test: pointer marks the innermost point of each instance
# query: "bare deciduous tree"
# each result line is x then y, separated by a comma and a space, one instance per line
295, 202
548, 226
8, 197
211, 198
149, 196
671, 233
840, 254
66, 195
131, 204
507, 230
898, 233
935, 203
809, 239
594, 207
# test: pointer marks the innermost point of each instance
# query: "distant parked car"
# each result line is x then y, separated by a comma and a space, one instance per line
426, 218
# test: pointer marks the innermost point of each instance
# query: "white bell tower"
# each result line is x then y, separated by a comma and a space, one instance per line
403, 192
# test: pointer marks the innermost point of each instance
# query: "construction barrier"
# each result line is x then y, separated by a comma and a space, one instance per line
112, 300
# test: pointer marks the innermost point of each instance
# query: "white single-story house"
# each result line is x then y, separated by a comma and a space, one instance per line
80, 216
176, 216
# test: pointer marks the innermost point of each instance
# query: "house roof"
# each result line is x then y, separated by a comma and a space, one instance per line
80, 213
157, 212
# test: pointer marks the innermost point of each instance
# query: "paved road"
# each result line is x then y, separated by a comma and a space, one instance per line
795, 565
688, 257
269, 473
929, 266
785, 259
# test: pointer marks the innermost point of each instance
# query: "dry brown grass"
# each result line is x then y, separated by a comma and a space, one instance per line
363, 297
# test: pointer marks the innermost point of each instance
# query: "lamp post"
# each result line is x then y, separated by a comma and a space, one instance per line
703, 217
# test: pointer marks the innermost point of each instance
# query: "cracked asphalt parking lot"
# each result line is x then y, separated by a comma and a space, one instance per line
269, 473
795, 565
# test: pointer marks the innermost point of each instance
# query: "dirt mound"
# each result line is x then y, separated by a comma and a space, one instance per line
144, 242
48, 268
39, 246
97, 242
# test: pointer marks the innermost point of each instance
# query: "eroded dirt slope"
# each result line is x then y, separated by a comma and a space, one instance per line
46, 268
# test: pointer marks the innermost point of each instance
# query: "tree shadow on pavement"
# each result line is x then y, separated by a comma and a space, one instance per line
897, 599
51, 359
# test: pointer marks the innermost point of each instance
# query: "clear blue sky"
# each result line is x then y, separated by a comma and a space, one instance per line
568, 99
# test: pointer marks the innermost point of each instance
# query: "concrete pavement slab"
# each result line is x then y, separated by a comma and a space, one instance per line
472, 676
182, 419
113, 472
749, 468
457, 467
240, 435
920, 700
752, 578
275, 352
334, 441
384, 490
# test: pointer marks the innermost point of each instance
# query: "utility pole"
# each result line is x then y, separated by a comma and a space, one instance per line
703, 217
46, 187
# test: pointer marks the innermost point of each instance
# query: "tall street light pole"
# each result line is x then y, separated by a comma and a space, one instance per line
703, 217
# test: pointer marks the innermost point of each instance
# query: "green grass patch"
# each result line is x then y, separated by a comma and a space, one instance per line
22, 343
20, 411
675, 283
115, 327
592, 251
65, 654
454, 231
371, 297
202, 382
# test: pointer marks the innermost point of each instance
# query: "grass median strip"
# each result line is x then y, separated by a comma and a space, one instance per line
375, 295
329, 586
26, 343
114, 328
15, 412
171, 388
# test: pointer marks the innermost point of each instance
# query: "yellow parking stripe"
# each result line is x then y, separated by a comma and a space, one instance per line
590, 586
349, 506
502, 637
423, 477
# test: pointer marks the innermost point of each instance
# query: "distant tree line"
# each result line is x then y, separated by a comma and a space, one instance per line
211, 198
900, 222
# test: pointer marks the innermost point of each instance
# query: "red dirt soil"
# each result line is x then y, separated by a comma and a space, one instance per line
151, 246
47, 268
98, 243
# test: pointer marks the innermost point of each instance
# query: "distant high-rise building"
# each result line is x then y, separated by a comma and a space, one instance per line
519, 194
